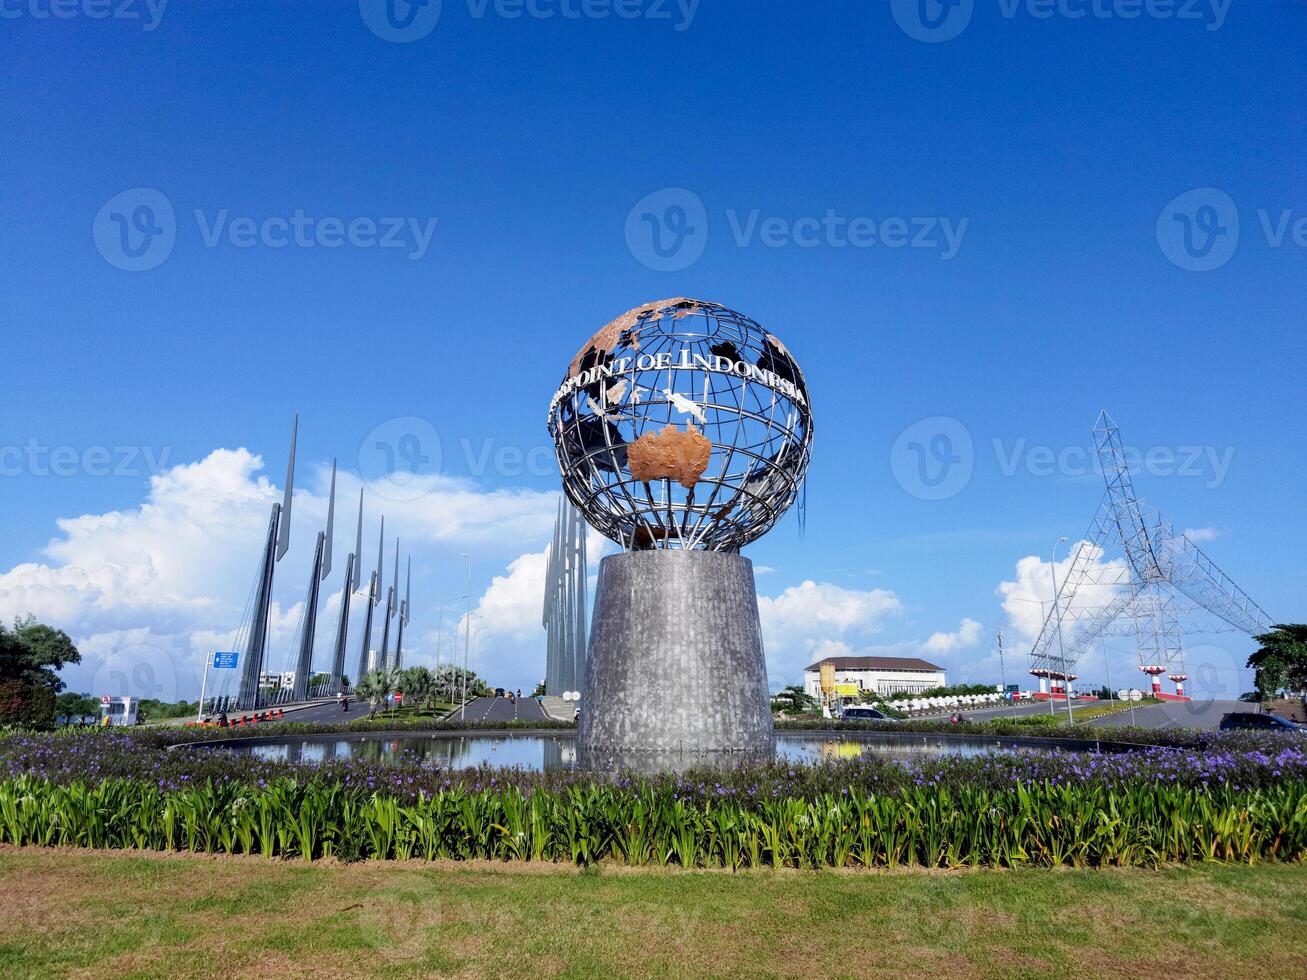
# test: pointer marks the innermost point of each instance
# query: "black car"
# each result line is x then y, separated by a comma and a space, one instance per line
1237, 721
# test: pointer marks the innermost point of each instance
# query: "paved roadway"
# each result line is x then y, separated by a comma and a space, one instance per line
1175, 714
1168, 714
477, 710
1008, 710
502, 709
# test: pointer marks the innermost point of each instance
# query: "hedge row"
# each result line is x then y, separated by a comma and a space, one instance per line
1042, 825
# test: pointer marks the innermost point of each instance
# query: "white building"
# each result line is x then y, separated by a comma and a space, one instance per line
118, 711
884, 675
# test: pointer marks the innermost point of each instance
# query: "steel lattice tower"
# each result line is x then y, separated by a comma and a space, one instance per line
1158, 578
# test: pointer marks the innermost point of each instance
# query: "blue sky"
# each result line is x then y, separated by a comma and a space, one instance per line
1056, 150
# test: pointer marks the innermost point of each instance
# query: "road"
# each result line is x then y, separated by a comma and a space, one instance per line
501, 709
1168, 714
1017, 710
477, 710
1175, 714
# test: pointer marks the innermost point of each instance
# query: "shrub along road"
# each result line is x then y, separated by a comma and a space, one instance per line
72, 912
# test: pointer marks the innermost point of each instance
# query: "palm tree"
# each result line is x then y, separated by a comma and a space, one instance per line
376, 684
416, 685
1281, 661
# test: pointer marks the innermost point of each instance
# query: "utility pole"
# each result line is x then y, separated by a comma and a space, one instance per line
1057, 614
467, 639
1002, 674
1107, 671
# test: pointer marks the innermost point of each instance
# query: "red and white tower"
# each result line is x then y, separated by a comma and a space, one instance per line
1042, 674
1179, 680
1155, 671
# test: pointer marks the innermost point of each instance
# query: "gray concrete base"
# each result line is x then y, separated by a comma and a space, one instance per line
676, 661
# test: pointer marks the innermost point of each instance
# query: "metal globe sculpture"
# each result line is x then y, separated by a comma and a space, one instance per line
682, 424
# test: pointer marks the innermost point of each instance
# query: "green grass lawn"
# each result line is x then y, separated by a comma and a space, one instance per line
73, 912
410, 712
1110, 708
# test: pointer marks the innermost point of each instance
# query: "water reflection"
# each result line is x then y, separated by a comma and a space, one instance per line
536, 752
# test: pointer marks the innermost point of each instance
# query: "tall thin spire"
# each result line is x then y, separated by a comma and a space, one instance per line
406, 608
404, 612
283, 536
564, 615
395, 579
383, 660
358, 544
346, 592
381, 547
331, 524
274, 549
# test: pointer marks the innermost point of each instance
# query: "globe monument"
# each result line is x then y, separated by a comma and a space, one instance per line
683, 431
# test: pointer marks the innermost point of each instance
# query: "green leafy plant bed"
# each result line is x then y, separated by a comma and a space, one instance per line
1042, 825
1233, 796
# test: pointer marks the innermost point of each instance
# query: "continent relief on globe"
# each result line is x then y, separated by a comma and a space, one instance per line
670, 454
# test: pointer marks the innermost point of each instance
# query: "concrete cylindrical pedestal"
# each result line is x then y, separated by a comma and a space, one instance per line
676, 662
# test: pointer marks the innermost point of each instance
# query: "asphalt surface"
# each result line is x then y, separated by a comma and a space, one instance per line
502, 709
477, 710
1175, 714
329, 711
1168, 714
1018, 710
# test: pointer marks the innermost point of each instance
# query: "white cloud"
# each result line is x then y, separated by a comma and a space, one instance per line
1028, 599
161, 584
812, 617
508, 638
966, 636
1201, 535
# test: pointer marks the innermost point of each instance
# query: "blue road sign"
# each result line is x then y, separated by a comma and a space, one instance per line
224, 661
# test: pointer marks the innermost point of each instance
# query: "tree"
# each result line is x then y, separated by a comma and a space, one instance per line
793, 698
539, 692
25, 704
449, 680
416, 685
1281, 660
376, 684
32, 652
71, 705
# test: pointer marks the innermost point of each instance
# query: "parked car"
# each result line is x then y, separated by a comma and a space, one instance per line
862, 712
1254, 721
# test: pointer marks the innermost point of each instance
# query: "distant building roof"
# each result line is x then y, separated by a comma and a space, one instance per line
875, 663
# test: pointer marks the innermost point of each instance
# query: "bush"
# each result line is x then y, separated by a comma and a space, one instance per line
1045, 826
26, 705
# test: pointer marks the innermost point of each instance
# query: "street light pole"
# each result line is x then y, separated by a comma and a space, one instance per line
1002, 674
1107, 671
1057, 614
440, 629
467, 639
